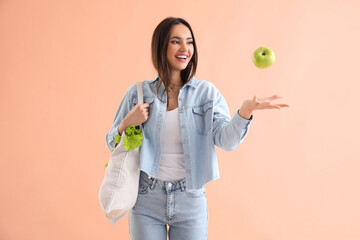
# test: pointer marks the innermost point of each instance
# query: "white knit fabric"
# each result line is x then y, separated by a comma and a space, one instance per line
172, 163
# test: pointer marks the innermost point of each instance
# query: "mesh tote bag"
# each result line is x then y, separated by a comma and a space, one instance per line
119, 189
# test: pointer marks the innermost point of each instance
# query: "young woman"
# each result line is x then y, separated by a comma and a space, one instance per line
182, 118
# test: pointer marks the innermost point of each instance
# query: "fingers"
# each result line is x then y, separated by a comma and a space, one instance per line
264, 103
273, 106
283, 105
267, 105
273, 97
144, 106
267, 99
279, 106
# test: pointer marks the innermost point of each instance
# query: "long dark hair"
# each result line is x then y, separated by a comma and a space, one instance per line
159, 46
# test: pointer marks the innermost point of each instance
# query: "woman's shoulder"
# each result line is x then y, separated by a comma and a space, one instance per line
202, 83
205, 85
131, 90
147, 88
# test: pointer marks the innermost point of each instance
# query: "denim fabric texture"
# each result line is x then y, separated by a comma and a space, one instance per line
204, 122
162, 203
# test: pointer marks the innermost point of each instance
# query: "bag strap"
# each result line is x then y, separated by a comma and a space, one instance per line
140, 93
139, 88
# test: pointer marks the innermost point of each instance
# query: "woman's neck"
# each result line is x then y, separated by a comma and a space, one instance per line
175, 77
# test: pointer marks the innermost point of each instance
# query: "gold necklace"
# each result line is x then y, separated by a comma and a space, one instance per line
172, 91
179, 85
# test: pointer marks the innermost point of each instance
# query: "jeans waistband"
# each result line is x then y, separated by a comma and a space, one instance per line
154, 182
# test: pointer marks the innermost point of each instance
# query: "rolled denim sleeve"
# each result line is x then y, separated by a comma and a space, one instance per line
122, 111
228, 132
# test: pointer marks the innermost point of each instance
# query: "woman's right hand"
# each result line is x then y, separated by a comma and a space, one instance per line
137, 115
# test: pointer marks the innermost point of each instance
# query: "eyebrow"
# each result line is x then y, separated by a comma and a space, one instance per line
179, 38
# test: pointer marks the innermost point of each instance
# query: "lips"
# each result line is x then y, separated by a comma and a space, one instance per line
182, 59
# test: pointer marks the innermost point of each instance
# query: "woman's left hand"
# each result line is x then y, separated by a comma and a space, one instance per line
258, 104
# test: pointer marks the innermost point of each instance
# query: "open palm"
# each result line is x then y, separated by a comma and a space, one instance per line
263, 103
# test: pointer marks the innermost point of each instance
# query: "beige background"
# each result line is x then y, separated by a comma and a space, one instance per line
65, 66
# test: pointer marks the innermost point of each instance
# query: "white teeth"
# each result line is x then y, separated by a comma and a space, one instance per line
184, 57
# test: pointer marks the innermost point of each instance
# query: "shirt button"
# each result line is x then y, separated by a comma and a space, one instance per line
187, 156
188, 171
185, 141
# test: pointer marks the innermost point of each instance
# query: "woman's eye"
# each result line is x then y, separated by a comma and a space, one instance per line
178, 42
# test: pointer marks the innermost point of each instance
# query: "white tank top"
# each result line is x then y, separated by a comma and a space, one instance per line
172, 162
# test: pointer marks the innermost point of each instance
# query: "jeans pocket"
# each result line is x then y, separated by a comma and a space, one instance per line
196, 193
203, 118
143, 187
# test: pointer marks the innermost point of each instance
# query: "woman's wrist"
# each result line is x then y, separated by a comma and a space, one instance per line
245, 113
122, 127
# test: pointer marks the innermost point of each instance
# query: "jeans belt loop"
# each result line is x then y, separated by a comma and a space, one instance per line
153, 183
182, 186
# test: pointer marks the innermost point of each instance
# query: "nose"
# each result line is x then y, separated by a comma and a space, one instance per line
183, 46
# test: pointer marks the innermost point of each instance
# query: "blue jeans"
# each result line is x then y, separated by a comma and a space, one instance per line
167, 202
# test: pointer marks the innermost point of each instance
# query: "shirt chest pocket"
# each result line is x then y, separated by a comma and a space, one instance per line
149, 100
203, 118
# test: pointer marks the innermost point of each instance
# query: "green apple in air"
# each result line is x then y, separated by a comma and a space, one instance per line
263, 57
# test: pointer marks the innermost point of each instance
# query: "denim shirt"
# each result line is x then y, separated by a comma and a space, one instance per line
204, 122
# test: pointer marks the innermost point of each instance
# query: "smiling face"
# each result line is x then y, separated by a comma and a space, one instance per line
180, 43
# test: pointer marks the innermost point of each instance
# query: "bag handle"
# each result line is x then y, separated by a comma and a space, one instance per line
139, 87
140, 93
